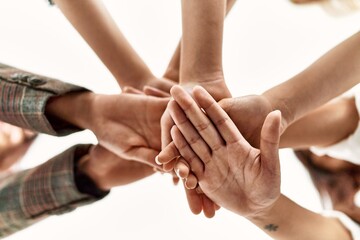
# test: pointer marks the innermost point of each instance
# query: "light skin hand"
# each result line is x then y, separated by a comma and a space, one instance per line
228, 168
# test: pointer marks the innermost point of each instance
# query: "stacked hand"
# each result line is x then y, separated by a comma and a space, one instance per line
227, 167
126, 124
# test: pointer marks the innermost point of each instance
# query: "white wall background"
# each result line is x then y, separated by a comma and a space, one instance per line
266, 42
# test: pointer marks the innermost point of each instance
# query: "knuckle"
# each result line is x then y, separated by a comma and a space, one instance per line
222, 121
194, 140
192, 158
216, 147
202, 126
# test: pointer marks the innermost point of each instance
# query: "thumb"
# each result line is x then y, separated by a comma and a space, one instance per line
269, 142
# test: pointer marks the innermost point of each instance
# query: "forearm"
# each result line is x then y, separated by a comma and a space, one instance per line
287, 220
331, 75
324, 126
91, 19
73, 108
201, 53
173, 69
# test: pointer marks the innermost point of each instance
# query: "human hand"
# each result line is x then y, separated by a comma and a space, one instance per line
108, 170
248, 114
162, 84
215, 85
14, 143
126, 124
230, 171
132, 124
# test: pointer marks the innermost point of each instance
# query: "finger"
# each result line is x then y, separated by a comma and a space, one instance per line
188, 155
163, 85
217, 207
197, 117
191, 182
166, 125
151, 91
208, 207
182, 169
168, 154
190, 134
168, 167
175, 180
269, 142
218, 116
194, 201
132, 90
143, 155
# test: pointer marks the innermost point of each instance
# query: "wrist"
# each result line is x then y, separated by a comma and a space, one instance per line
172, 74
269, 213
87, 167
84, 181
276, 103
135, 79
74, 108
201, 76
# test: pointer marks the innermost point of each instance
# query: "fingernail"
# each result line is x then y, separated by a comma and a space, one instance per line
177, 171
157, 160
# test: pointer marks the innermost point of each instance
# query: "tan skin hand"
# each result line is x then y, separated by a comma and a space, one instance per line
248, 114
126, 124
108, 170
232, 168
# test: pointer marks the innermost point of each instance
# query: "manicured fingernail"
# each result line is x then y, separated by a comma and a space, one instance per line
157, 160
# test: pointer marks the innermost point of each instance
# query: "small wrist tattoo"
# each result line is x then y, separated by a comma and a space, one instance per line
271, 227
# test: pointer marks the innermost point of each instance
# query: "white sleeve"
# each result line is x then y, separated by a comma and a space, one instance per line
349, 224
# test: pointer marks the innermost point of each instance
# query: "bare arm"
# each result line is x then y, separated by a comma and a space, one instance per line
92, 20
333, 74
326, 125
173, 69
201, 50
287, 220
